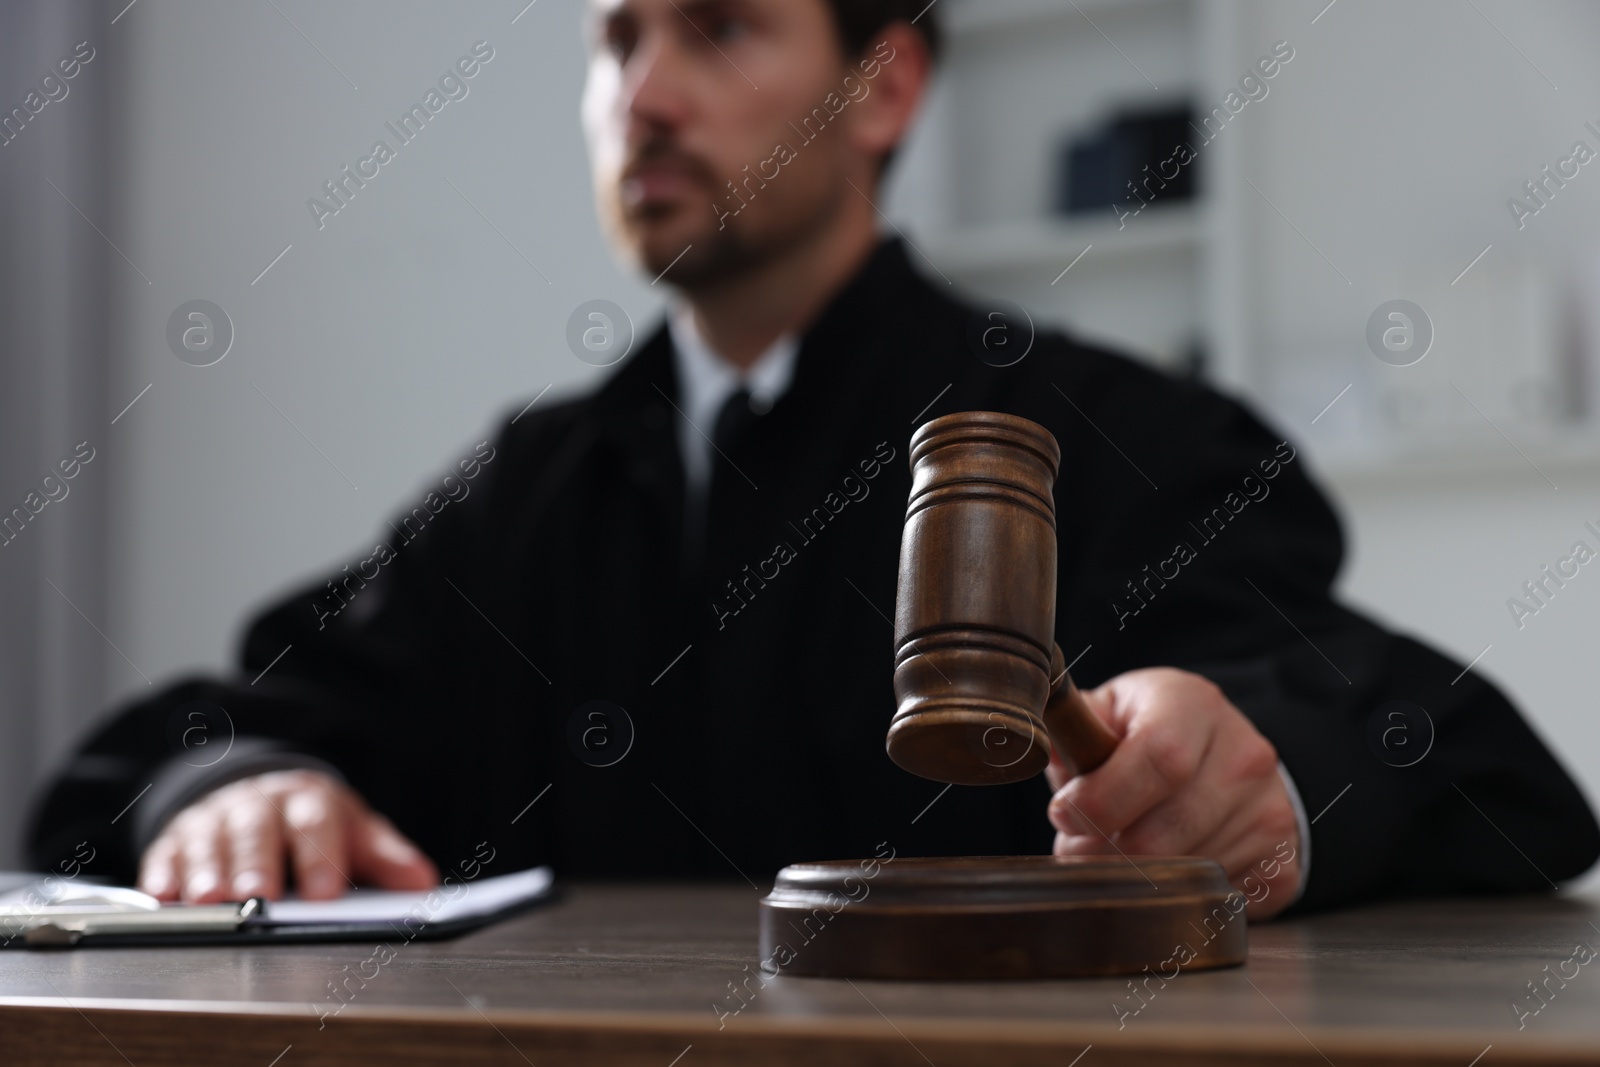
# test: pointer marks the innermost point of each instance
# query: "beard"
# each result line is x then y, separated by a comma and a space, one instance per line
667, 242
713, 256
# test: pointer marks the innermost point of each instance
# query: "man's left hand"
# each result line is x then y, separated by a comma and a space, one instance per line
1191, 776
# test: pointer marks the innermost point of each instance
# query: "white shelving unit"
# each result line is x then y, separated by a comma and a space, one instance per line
1020, 78
1023, 76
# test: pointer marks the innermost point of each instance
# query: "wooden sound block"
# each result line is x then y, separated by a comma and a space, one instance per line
985, 917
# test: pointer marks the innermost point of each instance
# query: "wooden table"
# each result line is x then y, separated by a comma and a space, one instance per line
644, 975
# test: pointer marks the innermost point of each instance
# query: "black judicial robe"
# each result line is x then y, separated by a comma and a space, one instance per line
458, 684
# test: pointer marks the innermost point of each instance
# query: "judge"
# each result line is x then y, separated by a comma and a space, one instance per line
653, 638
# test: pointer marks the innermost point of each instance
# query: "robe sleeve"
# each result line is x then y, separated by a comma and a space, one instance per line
1193, 536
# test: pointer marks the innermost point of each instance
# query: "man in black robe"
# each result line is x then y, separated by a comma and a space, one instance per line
645, 632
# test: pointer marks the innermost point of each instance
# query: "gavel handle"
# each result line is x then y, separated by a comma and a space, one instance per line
1075, 731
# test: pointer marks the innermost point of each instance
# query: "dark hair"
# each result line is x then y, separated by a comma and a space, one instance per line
860, 20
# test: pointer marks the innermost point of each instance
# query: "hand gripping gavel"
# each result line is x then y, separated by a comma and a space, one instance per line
982, 687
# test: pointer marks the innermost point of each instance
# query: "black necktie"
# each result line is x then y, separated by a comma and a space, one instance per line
733, 423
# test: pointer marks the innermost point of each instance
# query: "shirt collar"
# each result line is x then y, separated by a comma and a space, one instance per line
706, 380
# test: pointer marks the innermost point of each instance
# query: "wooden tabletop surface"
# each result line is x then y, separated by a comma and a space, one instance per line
645, 975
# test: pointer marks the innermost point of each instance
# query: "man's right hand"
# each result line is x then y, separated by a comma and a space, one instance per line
237, 841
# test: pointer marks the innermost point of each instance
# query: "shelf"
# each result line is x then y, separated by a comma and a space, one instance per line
982, 16
1574, 452
1012, 246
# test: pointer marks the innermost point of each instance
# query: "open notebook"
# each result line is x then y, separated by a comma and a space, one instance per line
57, 913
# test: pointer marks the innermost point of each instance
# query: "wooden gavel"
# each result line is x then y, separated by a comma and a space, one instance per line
983, 696
982, 688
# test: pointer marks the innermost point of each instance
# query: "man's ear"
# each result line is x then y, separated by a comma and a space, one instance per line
896, 68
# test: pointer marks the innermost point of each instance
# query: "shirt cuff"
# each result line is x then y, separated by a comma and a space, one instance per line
179, 783
1305, 830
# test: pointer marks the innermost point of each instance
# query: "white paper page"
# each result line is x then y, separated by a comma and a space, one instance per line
11, 881
480, 897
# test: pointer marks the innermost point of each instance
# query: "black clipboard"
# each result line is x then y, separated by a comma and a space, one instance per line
447, 911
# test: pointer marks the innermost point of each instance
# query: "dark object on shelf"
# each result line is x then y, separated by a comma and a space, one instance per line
1135, 157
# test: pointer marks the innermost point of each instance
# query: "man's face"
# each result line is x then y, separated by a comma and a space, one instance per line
682, 96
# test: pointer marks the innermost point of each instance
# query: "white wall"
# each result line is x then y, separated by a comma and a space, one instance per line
392, 336
1393, 142
55, 325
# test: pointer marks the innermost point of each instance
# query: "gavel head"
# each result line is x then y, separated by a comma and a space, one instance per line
975, 611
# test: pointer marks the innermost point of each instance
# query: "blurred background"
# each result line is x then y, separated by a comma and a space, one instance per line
1398, 151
